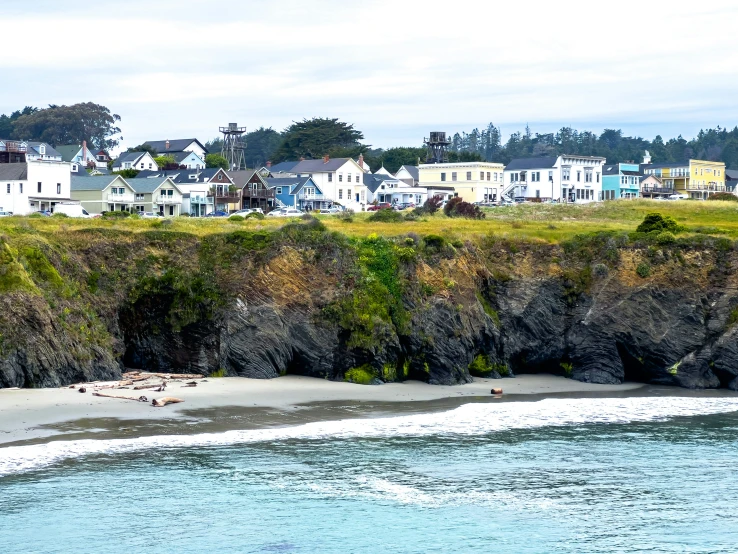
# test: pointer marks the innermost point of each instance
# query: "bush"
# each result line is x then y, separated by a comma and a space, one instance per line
347, 216
430, 206
643, 270
456, 207
727, 196
434, 241
35, 215
600, 270
115, 215
386, 215
411, 216
184, 215
235, 217
254, 215
59, 214
665, 237
657, 222
363, 375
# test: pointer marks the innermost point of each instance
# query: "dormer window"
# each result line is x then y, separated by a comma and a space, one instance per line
74, 168
220, 176
42, 149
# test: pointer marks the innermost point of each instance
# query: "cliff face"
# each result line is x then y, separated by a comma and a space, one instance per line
83, 305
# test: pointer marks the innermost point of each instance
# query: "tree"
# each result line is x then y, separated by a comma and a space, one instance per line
393, 159
261, 145
7, 122
73, 124
144, 148
166, 162
216, 160
313, 138
127, 173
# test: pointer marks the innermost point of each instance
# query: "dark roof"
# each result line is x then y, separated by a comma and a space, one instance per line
50, 151
176, 145
318, 166
128, 157
295, 183
531, 163
412, 170
13, 172
178, 156
146, 185
731, 174
201, 175
241, 178
283, 167
373, 180
304, 181
100, 182
81, 170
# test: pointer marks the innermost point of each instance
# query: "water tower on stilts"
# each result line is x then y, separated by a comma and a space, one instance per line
437, 148
234, 146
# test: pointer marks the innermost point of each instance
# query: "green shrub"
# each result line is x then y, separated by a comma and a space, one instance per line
35, 215
643, 270
481, 366
567, 368
727, 196
362, 375
236, 217
218, 373
657, 222
255, 215
115, 215
180, 215
435, 242
59, 214
386, 215
600, 270
665, 237
347, 216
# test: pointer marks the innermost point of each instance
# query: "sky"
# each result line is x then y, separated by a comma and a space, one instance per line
396, 69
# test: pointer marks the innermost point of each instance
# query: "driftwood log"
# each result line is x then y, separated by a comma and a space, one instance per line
496, 391
158, 403
137, 399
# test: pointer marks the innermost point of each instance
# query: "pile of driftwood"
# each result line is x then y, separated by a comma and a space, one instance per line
143, 381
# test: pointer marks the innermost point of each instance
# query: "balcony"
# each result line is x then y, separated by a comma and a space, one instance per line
120, 198
259, 193
715, 187
12, 146
201, 199
319, 196
657, 190
225, 195
161, 199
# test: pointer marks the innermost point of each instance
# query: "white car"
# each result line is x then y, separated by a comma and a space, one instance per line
285, 212
149, 215
330, 211
247, 211
71, 210
677, 197
6, 214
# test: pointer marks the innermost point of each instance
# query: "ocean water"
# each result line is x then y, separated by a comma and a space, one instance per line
553, 476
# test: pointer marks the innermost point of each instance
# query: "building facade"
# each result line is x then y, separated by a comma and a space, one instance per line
472, 181
697, 179
156, 194
34, 186
566, 178
621, 181
104, 193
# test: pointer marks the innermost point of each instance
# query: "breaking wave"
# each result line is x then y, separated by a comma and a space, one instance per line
466, 420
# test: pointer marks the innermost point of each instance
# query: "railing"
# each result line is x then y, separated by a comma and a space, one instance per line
201, 199
259, 193
657, 190
168, 199
303, 196
120, 198
12, 146
709, 186
225, 194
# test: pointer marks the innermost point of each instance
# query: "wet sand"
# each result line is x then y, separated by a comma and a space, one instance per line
39, 415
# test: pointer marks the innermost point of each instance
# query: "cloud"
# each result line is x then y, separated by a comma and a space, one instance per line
393, 68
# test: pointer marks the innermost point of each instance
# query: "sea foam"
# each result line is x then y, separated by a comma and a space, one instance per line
469, 419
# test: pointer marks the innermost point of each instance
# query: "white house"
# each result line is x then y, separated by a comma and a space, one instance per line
340, 179
135, 160
408, 174
567, 178
33, 186
80, 154
164, 147
40, 151
189, 160
386, 188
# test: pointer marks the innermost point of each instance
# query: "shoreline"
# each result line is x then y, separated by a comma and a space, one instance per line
219, 404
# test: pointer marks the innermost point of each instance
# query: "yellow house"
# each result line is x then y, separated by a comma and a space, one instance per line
472, 181
695, 178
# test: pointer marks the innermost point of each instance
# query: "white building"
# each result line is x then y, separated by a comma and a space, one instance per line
164, 147
135, 160
33, 186
562, 179
386, 188
340, 179
472, 181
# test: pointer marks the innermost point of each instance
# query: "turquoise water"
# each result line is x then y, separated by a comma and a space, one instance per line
558, 476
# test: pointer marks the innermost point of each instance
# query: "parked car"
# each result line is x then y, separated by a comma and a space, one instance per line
217, 213
148, 215
380, 206
247, 211
6, 214
71, 210
330, 211
44, 212
285, 212
677, 197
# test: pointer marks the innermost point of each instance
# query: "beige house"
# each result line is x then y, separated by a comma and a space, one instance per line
472, 181
156, 194
105, 193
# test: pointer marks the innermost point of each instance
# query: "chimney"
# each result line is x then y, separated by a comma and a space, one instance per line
326, 158
361, 161
269, 165
166, 144
84, 151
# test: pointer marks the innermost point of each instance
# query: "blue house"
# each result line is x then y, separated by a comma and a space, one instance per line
299, 192
621, 181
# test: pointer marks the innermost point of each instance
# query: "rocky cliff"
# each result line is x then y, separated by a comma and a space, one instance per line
603, 308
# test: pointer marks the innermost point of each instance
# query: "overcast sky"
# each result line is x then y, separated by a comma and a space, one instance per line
396, 69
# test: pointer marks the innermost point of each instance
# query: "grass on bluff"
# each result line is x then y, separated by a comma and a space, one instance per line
546, 222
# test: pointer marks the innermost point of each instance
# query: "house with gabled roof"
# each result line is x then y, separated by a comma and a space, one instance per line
164, 147
80, 154
255, 192
387, 188
409, 174
41, 151
566, 178
621, 180
135, 160
299, 192
103, 193
186, 160
339, 178
156, 194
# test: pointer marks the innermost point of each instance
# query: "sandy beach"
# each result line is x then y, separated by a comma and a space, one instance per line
34, 414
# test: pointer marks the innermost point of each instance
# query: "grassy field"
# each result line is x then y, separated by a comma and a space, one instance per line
545, 222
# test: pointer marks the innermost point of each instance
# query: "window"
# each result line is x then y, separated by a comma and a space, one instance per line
279, 190
149, 166
20, 186
579, 194
171, 210
587, 175
495, 176
330, 177
443, 176
39, 187
348, 194
468, 176
551, 176
566, 174
535, 176
538, 193
340, 194
453, 175
127, 165
481, 175
357, 178
8, 188
579, 176
348, 177
340, 177
42, 149
363, 196
139, 197
488, 176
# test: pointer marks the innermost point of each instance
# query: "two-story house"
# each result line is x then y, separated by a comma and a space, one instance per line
33, 186
81, 155
41, 151
164, 147
156, 194
390, 189
340, 179
103, 193
298, 192
562, 179
254, 190
697, 179
471, 181
135, 160
408, 174
621, 180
